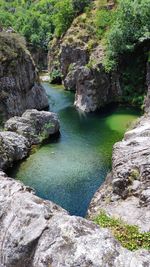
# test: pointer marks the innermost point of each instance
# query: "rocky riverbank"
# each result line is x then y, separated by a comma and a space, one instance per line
38, 233
22, 132
126, 192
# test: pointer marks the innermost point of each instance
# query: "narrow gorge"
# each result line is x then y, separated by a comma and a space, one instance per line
74, 140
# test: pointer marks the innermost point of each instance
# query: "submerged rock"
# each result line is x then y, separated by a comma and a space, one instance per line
13, 147
35, 125
19, 80
126, 192
38, 233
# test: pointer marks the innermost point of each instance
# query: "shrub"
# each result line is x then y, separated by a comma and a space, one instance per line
128, 235
131, 26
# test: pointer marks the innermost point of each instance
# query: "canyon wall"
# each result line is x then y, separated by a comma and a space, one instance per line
20, 88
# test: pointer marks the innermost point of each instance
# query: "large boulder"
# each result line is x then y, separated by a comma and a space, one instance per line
35, 125
20, 88
13, 147
38, 233
126, 192
22, 132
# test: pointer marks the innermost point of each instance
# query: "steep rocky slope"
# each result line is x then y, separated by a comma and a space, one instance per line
125, 194
77, 57
20, 88
38, 233
98, 60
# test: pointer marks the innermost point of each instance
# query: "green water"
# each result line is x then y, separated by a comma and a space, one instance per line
69, 169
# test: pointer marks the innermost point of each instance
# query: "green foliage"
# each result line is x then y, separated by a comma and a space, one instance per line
55, 76
131, 26
103, 21
79, 5
38, 20
63, 16
133, 76
11, 46
128, 235
33, 19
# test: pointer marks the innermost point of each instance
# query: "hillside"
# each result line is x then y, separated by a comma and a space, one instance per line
103, 56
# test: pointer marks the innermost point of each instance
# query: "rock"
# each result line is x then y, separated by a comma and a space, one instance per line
79, 59
147, 98
72, 54
126, 192
19, 80
38, 233
13, 147
35, 125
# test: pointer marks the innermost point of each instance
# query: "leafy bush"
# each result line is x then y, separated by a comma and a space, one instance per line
79, 6
128, 235
131, 26
63, 16
103, 20
55, 76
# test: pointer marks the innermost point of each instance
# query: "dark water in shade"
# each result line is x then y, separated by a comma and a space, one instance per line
69, 169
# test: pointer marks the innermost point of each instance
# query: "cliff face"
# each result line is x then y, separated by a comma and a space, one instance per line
20, 88
78, 58
125, 194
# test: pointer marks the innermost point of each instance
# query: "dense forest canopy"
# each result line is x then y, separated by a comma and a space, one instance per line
119, 29
37, 21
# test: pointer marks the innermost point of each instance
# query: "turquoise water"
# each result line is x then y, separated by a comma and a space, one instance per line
70, 168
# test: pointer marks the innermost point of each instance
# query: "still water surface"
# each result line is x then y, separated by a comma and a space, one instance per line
69, 169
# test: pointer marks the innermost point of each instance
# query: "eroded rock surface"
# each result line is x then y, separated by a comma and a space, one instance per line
38, 233
22, 132
35, 125
126, 191
78, 59
13, 147
20, 88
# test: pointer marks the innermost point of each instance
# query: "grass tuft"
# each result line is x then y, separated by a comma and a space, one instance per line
128, 235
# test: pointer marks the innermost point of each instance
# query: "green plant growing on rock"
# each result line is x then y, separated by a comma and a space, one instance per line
134, 175
128, 235
55, 76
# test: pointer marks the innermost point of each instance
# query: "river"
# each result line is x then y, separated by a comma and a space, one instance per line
70, 168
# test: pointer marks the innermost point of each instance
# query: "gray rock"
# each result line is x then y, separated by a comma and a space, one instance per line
19, 80
82, 69
13, 147
38, 233
126, 192
35, 125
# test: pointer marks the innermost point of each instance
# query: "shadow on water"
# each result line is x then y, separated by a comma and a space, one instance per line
69, 169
